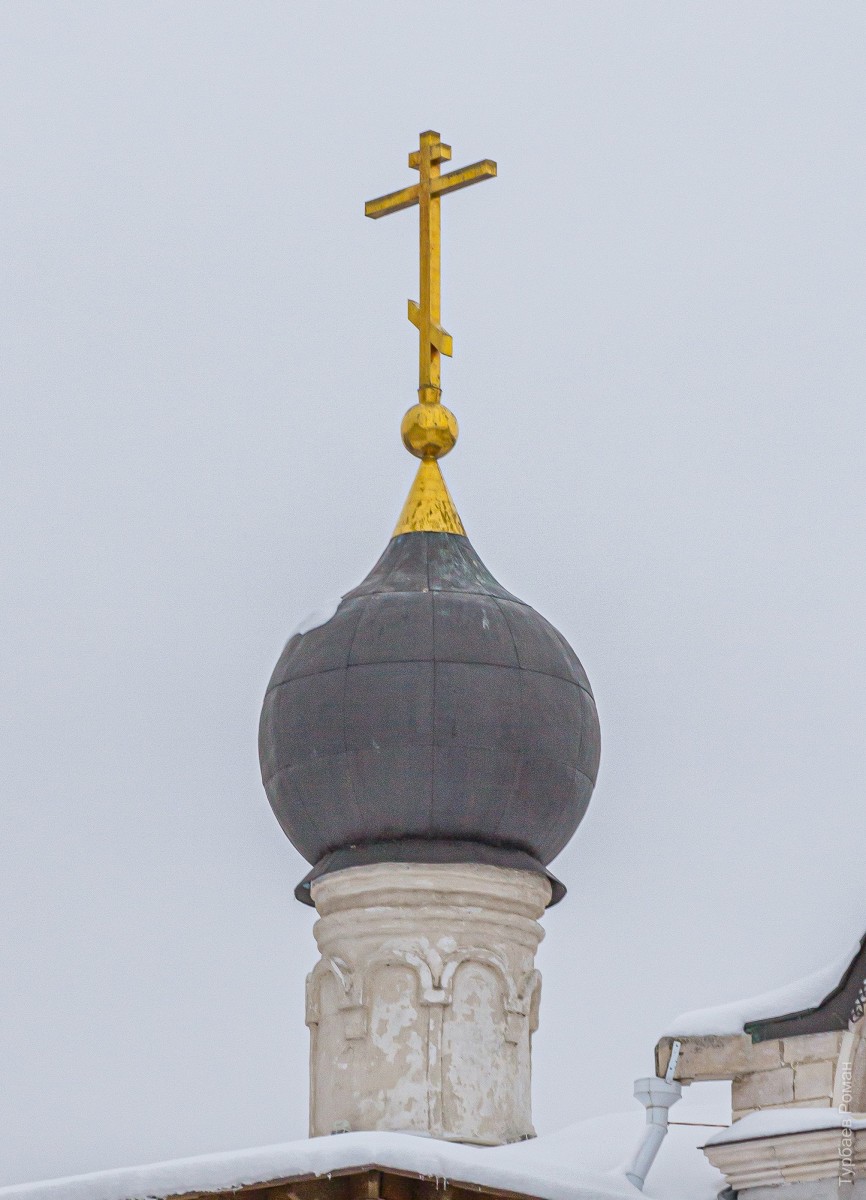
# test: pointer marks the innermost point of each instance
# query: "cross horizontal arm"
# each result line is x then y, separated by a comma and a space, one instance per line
454, 180
393, 202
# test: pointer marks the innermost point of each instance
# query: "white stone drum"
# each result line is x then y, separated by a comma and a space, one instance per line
423, 1005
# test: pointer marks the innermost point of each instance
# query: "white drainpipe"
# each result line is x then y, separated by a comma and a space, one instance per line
657, 1096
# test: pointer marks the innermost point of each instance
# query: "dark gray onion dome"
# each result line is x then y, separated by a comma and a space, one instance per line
434, 718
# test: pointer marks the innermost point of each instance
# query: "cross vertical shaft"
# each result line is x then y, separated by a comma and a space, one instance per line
429, 156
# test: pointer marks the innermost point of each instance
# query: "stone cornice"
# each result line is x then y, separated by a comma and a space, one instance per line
801, 1157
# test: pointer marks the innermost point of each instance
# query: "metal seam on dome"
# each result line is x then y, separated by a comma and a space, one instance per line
520, 759
308, 811
564, 643
547, 758
458, 662
439, 591
355, 797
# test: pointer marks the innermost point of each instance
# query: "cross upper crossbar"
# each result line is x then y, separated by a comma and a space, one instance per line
427, 194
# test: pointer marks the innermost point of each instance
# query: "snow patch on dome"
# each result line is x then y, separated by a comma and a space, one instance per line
320, 615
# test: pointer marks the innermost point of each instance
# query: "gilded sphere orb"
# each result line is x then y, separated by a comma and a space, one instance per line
429, 430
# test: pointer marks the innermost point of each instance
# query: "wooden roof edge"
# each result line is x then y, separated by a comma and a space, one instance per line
289, 1181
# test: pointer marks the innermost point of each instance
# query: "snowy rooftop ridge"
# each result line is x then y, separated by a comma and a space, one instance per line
794, 997
582, 1162
316, 1157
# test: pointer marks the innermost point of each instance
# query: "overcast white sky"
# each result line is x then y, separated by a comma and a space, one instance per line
658, 311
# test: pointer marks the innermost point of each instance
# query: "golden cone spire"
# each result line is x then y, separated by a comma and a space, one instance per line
429, 430
429, 507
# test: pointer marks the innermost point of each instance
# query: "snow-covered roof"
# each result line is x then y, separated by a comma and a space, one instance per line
731, 1018
582, 1162
775, 1122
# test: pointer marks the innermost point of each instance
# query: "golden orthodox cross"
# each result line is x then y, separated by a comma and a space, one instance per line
427, 194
